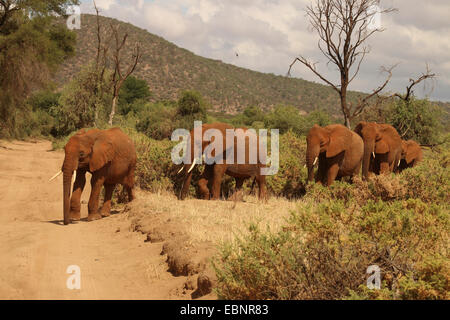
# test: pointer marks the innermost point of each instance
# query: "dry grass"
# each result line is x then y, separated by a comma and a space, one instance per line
217, 221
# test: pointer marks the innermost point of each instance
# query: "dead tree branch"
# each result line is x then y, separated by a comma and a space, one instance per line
343, 28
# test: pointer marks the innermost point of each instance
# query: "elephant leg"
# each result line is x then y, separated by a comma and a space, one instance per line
96, 185
106, 208
261, 180
219, 171
203, 189
75, 201
129, 185
333, 171
239, 183
186, 184
384, 167
237, 194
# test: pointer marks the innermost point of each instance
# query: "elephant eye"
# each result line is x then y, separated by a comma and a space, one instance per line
82, 154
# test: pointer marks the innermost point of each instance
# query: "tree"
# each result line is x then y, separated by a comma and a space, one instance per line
343, 27
191, 107
120, 72
419, 120
80, 100
132, 91
285, 118
32, 46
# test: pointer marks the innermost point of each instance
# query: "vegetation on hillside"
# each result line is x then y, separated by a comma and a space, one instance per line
169, 70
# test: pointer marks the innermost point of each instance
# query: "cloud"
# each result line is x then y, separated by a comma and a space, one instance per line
268, 35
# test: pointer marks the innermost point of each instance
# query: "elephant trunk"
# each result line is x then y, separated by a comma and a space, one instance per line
67, 170
311, 158
186, 182
369, 147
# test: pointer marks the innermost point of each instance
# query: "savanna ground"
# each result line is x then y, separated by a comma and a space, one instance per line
115, 261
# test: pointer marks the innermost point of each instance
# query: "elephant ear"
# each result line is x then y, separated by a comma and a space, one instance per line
410, 154
339, 142
102, 153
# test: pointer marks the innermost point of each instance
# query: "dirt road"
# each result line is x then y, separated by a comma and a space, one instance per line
36, 248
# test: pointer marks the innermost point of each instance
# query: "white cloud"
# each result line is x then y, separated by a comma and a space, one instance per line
269, 34
104, 4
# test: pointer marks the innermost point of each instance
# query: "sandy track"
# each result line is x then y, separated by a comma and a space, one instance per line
36, 248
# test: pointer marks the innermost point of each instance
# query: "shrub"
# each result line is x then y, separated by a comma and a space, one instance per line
290, 180
429, 182
157, 121
285, 118
133, 90
324, 251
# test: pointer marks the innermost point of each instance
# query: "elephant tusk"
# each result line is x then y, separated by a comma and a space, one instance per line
192, 167
398, 165
315, 161
74, 176
304, 166
373, 153
55, 176
181, 170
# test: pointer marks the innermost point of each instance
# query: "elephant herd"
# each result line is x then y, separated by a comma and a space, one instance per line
340, 152
110, 156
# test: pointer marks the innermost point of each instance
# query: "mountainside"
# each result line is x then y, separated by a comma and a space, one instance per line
169, 70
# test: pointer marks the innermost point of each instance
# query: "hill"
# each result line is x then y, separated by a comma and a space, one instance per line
170, 69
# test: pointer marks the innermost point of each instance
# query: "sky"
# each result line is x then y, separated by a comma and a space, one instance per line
267, 35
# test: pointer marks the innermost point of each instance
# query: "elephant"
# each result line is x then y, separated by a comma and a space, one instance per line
411, 155
110, 156
338, 150
209, 185
382, 147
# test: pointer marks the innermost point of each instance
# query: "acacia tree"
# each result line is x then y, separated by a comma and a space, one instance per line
343, 27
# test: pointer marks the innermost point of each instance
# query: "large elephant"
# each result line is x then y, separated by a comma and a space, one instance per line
338, 150
209, 185
382, 147
411, 155
110, 156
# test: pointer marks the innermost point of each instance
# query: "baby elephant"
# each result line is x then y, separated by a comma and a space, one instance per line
411, 155
338, 150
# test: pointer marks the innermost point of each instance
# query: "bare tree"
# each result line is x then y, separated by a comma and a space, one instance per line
413, 82
119, 75
405, 127
343, 27
101, 62
107, 54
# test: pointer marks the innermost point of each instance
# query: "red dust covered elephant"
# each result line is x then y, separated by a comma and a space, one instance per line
209, 184
110, 156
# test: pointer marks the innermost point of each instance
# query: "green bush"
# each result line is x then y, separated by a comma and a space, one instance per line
324, 250
419, 120
157, 121
290, 180
429, 182
133, 95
